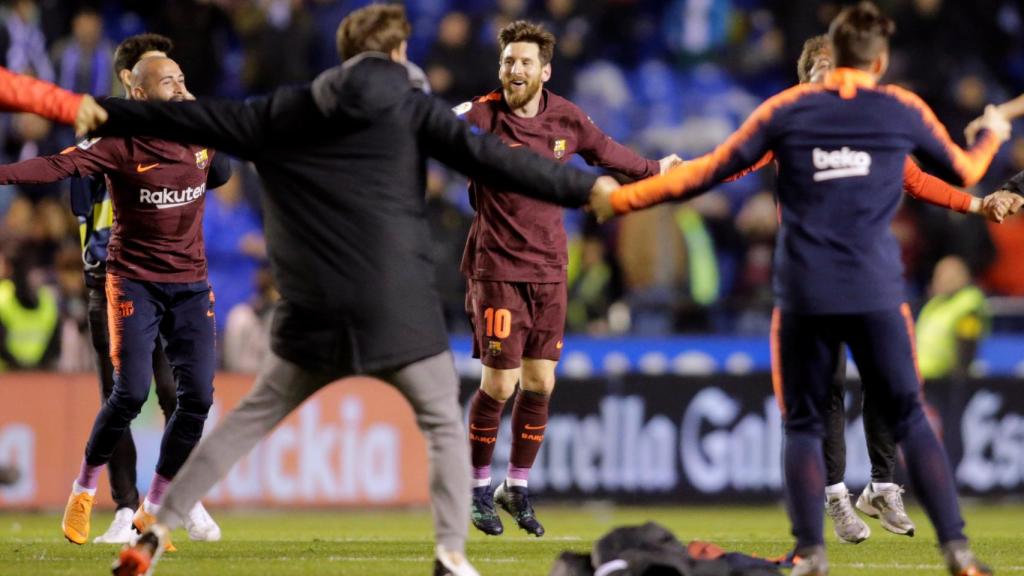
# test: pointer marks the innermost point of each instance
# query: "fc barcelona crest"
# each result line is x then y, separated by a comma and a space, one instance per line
559, 148
202, 159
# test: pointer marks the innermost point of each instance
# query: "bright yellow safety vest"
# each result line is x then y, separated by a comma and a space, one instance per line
28, 330
942, 321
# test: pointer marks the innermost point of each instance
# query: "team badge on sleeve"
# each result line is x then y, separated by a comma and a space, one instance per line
559, 148
202, 159
87, 143
461, 109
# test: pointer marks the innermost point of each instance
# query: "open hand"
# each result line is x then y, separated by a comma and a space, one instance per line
992, 120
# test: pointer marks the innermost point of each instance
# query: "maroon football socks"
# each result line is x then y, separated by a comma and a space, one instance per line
529, 419
484, 421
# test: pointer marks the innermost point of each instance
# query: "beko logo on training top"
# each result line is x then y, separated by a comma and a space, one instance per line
842, 163
165, 198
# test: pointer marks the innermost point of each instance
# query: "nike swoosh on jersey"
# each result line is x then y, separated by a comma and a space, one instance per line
140, 168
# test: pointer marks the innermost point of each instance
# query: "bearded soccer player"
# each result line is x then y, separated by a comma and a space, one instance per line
156, 284
841, 147
515, 265
90, 202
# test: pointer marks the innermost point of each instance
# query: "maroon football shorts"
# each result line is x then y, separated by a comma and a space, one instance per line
516, 320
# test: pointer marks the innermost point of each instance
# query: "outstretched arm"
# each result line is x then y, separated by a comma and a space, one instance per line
598, 149
938, 151
488, 160
88, 157
1013, 109
237, 128
744, 148
925, 187
19, 93
764, 161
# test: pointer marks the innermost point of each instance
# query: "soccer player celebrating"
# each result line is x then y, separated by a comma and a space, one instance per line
841, 148
881, 498
90, 201
515, 261
156, 285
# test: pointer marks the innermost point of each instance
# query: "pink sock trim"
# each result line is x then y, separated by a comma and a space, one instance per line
157, 489
89, 476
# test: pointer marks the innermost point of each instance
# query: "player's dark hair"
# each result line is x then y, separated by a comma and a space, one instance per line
859, 34
813, 47
373, 28
523, 31
128, 53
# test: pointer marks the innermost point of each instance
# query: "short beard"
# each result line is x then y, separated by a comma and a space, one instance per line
516, 100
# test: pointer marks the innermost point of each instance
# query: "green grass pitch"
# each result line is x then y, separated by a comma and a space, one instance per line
398, 542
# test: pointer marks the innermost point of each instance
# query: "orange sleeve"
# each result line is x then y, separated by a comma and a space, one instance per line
698, 175
19, 93
923, 186
764, 161
935, 145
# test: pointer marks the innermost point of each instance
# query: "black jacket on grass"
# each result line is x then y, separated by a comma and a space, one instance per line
348, 242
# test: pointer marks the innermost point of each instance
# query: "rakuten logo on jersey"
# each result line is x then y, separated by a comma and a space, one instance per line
165, 198
842, 163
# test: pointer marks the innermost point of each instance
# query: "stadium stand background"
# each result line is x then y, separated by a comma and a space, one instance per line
664, 76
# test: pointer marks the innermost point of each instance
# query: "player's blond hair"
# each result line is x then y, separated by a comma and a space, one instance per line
813, 48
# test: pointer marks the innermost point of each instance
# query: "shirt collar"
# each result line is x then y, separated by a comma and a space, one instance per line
848, 80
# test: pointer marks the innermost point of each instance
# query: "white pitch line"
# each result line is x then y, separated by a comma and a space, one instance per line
897, 566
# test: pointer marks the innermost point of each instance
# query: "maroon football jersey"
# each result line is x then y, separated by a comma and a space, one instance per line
158, 191
515, 238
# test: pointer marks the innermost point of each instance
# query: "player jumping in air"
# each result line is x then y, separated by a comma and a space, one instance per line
155, 285
515, 264
841, 148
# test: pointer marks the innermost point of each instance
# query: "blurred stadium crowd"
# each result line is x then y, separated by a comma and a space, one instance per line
665, 76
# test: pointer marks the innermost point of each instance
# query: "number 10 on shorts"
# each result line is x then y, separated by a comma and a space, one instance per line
499, 322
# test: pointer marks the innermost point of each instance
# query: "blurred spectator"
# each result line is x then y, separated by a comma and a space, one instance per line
458, 68
449, 227
277, 38
247, 333
235, 247
693, 30
652, 258
84, 59
202, 33
28, 137
76, 353
29, 313
1006, 274
26, 51
751, 297
590, 285
952, 323
567, 20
